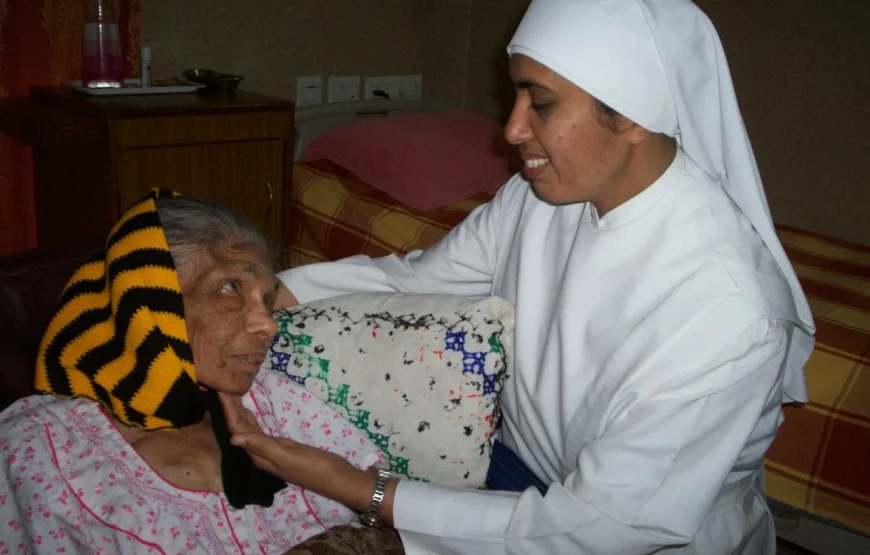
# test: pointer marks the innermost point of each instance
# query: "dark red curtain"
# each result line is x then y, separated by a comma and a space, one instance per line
41, 44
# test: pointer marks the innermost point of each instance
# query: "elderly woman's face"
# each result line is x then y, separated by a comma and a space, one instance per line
228, 300
570, 154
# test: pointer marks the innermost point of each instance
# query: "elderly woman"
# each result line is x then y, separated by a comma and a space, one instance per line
129, 452
659, 325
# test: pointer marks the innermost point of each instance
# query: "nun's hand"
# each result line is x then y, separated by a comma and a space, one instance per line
246, 432
310, 468
239, 419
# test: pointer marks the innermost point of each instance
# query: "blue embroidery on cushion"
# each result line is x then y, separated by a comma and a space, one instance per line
454, 341
473, 362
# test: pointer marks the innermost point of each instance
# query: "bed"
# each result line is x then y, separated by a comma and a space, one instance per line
334, 214
818, 469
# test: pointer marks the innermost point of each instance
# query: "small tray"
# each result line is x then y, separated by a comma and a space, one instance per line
133, 86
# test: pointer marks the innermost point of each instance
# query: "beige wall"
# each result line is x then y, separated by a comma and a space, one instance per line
489, 90
271, 42
799, 66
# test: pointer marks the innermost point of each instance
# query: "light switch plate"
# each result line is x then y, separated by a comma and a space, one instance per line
410, 87
343, 89
309, 91
387, 84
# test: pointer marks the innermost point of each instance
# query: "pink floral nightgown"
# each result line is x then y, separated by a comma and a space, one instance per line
70, 483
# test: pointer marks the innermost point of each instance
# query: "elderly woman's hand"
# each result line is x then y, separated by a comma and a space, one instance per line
310, 468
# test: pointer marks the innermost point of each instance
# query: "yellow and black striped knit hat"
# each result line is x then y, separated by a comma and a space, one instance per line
119, 335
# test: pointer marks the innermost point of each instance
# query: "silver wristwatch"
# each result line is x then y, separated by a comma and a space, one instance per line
372, 518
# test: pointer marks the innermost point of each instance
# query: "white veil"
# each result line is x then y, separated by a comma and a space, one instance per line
660, 63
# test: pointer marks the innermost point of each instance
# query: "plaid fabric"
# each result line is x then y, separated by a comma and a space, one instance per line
334, 215
820, 461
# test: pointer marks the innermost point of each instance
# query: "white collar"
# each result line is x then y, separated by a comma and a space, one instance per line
641, 203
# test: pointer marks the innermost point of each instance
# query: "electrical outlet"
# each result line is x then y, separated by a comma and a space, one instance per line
410, 87
388, 85
343, 89
309, 91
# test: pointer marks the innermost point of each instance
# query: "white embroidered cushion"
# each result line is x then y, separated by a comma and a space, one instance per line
420, 374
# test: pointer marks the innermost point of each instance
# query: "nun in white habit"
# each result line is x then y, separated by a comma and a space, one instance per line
659, 324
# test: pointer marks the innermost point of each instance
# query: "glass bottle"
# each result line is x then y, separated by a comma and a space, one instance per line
102, 63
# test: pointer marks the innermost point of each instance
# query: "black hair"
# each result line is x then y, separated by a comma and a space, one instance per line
607, 116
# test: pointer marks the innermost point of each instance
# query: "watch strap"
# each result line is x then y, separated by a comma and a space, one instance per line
372, 518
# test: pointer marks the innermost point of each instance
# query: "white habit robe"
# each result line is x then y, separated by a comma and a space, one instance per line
647, 375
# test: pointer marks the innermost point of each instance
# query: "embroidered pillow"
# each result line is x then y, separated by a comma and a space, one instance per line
420, 374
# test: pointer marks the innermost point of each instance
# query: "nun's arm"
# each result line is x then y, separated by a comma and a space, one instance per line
648, 482
462, 263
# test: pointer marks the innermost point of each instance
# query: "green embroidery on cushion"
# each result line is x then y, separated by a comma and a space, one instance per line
381, 440
339, 396
300, 341
494, 345
399, 465
323, 367
300, 344
359, 418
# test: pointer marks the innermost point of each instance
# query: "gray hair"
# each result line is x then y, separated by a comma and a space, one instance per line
195, 226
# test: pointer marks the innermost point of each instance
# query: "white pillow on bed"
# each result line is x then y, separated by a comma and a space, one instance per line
420, 374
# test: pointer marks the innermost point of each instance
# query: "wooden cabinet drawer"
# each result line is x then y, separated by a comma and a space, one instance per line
186, 130
94, 157
246, 176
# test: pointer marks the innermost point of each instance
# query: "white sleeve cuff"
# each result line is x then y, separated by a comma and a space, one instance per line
452, 512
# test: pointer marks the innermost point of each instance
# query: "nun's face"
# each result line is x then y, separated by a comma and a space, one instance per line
570, 154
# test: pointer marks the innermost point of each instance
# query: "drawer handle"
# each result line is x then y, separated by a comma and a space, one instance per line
269, 188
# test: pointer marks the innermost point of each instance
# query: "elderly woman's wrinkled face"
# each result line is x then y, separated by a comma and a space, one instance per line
570, 154
228, 299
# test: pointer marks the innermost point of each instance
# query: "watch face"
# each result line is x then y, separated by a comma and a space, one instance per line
369, 520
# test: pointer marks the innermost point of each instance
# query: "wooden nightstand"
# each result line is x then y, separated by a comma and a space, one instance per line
94, 157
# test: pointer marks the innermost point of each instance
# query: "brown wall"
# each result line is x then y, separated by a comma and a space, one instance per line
799, 66
802, 73
489, 90
271, 42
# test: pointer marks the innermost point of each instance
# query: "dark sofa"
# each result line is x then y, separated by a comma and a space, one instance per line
30, 284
